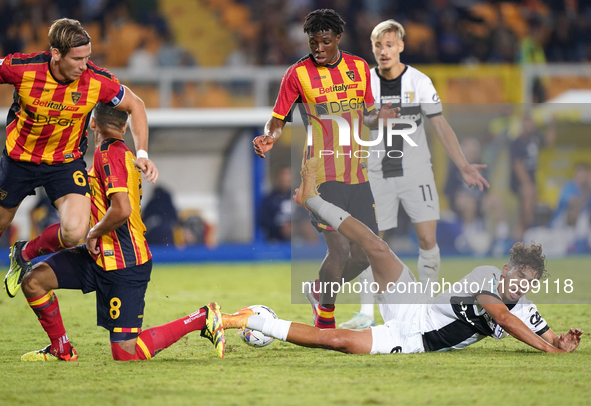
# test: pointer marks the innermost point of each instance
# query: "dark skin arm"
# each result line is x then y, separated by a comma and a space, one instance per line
116, 216
512, 325
274, 128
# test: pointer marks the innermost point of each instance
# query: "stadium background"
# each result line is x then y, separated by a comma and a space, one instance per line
209, 71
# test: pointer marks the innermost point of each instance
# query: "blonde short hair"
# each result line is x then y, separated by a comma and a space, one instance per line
388, 26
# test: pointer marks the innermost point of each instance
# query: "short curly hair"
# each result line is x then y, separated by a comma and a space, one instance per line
523, 256
324, 20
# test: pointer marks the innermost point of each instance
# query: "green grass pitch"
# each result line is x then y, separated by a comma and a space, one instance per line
188, 373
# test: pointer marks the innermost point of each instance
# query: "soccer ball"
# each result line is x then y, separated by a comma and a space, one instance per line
255, 338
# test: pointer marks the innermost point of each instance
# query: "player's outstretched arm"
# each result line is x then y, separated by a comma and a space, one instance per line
512, 325
567, 342
136, 109
264, 143
117, 214
449, 140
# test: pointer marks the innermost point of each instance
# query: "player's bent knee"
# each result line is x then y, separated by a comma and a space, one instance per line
377, 248
38, 281
119, 354
72, 236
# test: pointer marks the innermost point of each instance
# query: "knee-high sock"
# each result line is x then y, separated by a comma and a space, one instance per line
272, 327
367, 299
47, 309
153, 340
332, 214
429, 264
49, 241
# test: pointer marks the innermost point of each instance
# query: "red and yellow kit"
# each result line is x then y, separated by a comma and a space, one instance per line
113, 170
340, 89
49, 118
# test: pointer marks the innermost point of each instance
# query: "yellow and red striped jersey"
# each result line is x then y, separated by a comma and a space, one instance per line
48, 120
113, 170
340, 89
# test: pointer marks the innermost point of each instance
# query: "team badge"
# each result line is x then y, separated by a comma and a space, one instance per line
351, 75
409, 97
3, 194
76, 97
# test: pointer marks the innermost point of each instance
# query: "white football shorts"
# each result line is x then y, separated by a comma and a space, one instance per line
402, 313
417, 191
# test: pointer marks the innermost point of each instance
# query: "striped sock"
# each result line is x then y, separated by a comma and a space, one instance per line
48, 242
47, 309
153, 340
325, 318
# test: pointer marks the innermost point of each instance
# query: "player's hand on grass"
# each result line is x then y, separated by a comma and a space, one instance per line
571, 340
148, 168
471, 175
263, 144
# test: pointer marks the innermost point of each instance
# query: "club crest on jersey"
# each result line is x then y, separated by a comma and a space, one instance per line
409, 97
76, 97
3, 194
351, 75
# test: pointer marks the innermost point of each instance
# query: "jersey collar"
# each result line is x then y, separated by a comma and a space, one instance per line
391, 80
330, 65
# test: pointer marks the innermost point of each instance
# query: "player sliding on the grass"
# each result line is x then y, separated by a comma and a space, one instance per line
115, 262
414, 322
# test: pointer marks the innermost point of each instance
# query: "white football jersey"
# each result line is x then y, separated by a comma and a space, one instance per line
454, 319
414, 93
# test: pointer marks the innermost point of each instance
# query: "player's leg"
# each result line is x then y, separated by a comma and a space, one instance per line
74, 211
420, 199
67, 188
150, 342
38, 286
365, 317
385, 264
429, 257
120, 298
347, 341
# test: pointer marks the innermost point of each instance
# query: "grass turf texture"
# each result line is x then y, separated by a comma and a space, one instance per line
188, 373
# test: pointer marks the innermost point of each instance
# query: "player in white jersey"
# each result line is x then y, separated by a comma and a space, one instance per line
401, 172
492, 303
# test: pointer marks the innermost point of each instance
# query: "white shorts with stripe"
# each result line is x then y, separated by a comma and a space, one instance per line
416, 190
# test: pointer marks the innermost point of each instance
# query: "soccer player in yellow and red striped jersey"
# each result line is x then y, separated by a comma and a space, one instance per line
55, 92
115, 262
331, 82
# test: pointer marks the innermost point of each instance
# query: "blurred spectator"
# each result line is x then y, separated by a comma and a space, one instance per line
142, 59
575, 199
194, 229
482, 213
532, 52
276, 208
570, 228
160, 218
524, 163
12, 41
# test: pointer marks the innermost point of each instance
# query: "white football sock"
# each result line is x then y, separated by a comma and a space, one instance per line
366, 296
429, 264
272, 327
332, 214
